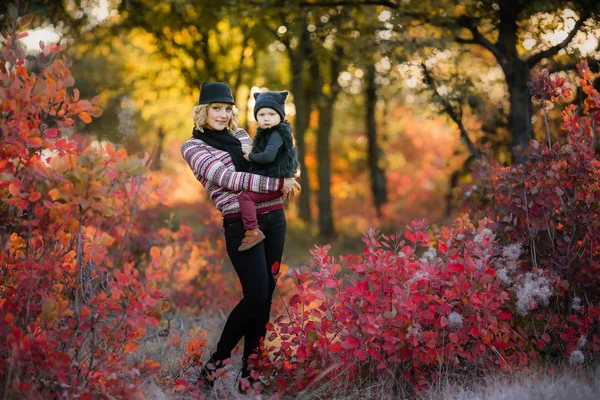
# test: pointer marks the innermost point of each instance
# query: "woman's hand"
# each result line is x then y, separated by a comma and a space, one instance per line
289, 188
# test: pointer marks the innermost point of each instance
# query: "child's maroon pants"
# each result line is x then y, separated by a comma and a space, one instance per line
248, 202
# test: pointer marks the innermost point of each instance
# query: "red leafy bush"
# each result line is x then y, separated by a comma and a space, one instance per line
71, 302
407, 307
551, 205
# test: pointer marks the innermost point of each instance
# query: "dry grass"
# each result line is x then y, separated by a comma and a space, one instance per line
566, 383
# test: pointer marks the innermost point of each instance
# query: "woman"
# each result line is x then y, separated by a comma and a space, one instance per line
215, 155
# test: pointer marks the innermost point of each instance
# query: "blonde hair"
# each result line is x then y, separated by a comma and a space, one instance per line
200, 115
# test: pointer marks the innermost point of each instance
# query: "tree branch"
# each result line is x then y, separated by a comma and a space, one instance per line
454, 113
351, 3
536, 58
478, 38
572, 65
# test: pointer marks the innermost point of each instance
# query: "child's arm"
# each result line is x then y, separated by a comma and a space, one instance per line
268, 155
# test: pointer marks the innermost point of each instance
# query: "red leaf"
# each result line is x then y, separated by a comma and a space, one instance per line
456, 268
51, 133
350, 343
505, 315
442, 246
474, 331
275, 268
360, 354
443, 321
410, 236
295, 299
546, 338
335, 348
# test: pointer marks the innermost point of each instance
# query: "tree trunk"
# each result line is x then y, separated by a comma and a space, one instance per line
301, 124
158, 150
377, 174
520, 110
326, 226
303, 108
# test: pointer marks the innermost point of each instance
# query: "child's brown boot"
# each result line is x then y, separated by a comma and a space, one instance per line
253, 237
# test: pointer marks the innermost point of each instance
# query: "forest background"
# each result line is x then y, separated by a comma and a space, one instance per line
402, 111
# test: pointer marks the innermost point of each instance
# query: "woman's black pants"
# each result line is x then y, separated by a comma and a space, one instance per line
253, 267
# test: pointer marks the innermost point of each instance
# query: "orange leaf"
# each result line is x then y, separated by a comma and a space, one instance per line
35, 196
85, 117
13, 190
154, 252
35, 141
53, 193
95, 111
130, 347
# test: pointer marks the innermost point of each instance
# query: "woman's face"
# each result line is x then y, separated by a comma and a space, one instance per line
219, 115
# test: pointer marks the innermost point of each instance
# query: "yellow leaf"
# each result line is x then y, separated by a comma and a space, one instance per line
168, 251
283, 270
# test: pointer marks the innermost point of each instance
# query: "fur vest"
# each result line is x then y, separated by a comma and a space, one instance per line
286, 163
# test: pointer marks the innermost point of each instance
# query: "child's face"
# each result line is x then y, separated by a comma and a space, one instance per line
219, 115
267, 117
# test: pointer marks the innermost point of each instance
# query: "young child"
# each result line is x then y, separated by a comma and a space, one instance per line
273, 153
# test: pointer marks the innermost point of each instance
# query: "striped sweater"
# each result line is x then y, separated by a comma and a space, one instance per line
215, 170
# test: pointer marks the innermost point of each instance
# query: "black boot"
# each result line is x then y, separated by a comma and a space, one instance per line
208, 373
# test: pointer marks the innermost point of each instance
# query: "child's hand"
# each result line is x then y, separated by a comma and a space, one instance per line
247, 149
247, 156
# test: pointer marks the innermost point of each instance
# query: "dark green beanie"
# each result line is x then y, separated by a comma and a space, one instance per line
215, 92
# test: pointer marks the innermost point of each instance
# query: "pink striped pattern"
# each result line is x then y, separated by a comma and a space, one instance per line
215, 170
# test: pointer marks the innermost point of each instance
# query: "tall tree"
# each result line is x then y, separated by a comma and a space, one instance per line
206, 41
496, 26
378, 186
296, 39
326, 76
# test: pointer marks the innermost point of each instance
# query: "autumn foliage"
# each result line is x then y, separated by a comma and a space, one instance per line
72, 303
522, 286
82, 276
